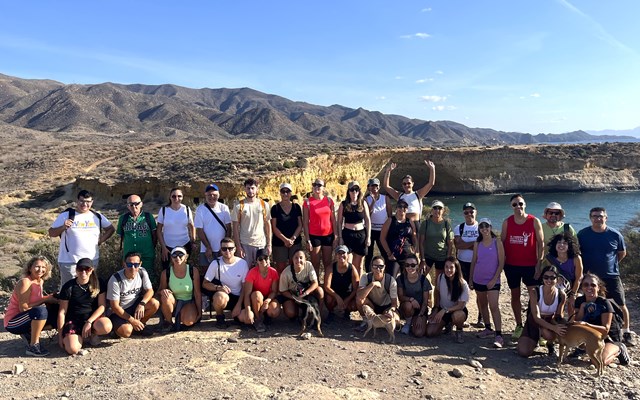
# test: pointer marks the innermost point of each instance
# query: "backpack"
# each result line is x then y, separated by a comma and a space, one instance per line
120, 281
72, 216
168, 274
422, 280
263, 206
617, 322
387, 280
164, 212
461, 228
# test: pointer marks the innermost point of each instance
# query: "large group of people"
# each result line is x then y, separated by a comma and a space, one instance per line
425, 274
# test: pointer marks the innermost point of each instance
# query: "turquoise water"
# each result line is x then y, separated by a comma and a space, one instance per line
621, 206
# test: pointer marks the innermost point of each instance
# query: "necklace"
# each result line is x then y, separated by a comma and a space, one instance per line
84, 287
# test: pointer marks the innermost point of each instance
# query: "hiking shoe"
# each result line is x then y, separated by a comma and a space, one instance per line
221, 323
145, 332
95, 340
629, 338
406, 328
485, 333
577, 353
447, 329
259, 325
623, 356
362, 327
36, 350
516, 333
459, 338
479, 323
498, 342
552, 349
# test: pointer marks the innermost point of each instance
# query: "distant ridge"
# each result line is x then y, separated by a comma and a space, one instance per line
167, 110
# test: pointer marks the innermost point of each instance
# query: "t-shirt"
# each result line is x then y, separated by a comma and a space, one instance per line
469, 235
550, 232
436, 239
138, 235
260, 284
251, 227
593, 314
305, 276
175, 225
520, 247
81, 304
445, 295
81, 239
211, 227
128, 290
379, 295
286, 223
415, 289
231, 275
600, 251
182, 288
378, 210
319, 215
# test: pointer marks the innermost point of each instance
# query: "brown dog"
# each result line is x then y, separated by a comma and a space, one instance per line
375, 321
593, 340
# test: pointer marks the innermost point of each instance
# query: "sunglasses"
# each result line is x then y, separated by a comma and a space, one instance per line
549, 277
227, 248
85, 201
133, 265
84, 269
411, 265
134, 204
587, 284
469, 212
598, 216
263, 259
520, 203
484, 226
317, 185
554, 212
177, 254
285, 191
340, 253
436, 208
378, 267
354, 189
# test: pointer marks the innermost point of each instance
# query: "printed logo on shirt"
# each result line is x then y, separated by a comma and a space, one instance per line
520, 240
130, 292
84, 224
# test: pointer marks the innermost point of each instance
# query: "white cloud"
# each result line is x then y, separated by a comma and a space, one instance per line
426, 9
434, 98
424, 80
444, 108
440, 72
381, 97
398, 78
536, 95
419, 35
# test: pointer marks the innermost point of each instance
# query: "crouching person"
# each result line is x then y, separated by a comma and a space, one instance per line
130, 295
260, 290
180, 292
377, 290
299, 279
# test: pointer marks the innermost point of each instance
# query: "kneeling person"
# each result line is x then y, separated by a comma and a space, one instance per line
299, 279
340, 283
179, 292
260, 290
378, 290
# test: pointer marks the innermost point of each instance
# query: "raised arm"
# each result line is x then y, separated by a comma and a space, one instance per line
385, 182
432, 179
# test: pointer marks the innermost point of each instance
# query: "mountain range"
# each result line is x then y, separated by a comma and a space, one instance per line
168, 110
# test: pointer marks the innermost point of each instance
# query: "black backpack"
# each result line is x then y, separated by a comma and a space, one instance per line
72, 216
387, 280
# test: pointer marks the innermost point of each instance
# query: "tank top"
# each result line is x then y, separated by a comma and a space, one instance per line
341, 282
14, 308
319, 216
352, 217
378, 211
545, 309
399, 237
414, 202
182, 288
568, 269
520, 244
486, 263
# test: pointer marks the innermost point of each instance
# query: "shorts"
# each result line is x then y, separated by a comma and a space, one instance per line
381, 309
531, 328
355, 241
251, 253
21, 323
615, 290
517, 274
317, 241
117, 321
233, 300
483, 288
438, 264
283, 254
448, 317
466, 270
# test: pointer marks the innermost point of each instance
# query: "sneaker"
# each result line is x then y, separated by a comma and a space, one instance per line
623, 356
95, 340
362, 327
552, 349
498, 342
577, 353
221, 323
516, 333
259, 325
36, 350
479, 323
629, 338
447, 329
485, 333
459, 338
166, 326
406, 328
145, 332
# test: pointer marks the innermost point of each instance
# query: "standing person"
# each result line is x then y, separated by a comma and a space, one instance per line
81, 230
319, 222
414, 291
175, 227
554, 214
82, 307
487, 263
414, 199
251, 227
563, 252
260, 291
137, 231
213, 223
130, 295
26, 314
523, 247
379, 212
435, 240
450, 307
179, 292
341, 283
286, 225
602, 249
464, 237
354, 224
398, 238
299, 279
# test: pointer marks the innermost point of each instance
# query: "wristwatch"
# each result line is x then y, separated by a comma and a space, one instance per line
446, 310
142, 303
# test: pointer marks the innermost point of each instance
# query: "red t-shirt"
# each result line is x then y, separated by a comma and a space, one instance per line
263, 285
520, 244
319, 216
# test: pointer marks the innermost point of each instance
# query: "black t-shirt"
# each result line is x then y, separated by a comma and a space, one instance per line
81, 305
286, 223
593, 313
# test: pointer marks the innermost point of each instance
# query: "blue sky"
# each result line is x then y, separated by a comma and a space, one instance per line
547, 66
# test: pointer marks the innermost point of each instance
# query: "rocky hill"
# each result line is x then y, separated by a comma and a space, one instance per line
170, 110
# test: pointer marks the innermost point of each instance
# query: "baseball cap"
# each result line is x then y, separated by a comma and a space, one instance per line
469, 205
84, 262
437, 203
286, 186
342, 248
373, 181
352, 184
211, 186
484, 221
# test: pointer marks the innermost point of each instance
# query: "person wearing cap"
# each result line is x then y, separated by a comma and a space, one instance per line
82, 306
260, 291
379, 211
464, 237
137, 231
554, 214
130, 295
175, 227
213, 223
523, 242
286, 226
340, 283
354, 224
435, 239
251, 227
399, 238
179, 292
413, 199
379, 291
319, 223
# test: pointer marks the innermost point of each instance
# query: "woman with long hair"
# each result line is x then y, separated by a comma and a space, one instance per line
175, 228
179, 292
564, 254
82, 307
398, 238
451, 297
435, 239
286, 226
414, 291
354, 224
319, 223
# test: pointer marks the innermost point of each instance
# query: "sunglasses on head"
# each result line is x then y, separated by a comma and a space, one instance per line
177, 254
227, 248
133, 265
520, 203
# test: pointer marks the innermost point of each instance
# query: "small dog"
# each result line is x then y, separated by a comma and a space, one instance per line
576, 335
375, 321
310, 314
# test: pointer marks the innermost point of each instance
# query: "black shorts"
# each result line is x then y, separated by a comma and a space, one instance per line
516, 274
355, 241
117, 322
615, 290
438, 264
317, 241
466, 270
380, 309
483, 288
531, 328
233, 300
448, 317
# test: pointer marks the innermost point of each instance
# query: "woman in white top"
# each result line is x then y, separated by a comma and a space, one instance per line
414, 199
175, 227
379, 211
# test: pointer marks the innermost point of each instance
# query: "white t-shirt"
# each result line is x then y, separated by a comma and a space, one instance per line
305, 276
232, 275
175, 225
252, 223
212, 228
469, 234
128, 290
378, 211
81, 239
445, 296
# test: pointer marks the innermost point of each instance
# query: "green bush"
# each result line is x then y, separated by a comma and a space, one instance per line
630, 265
